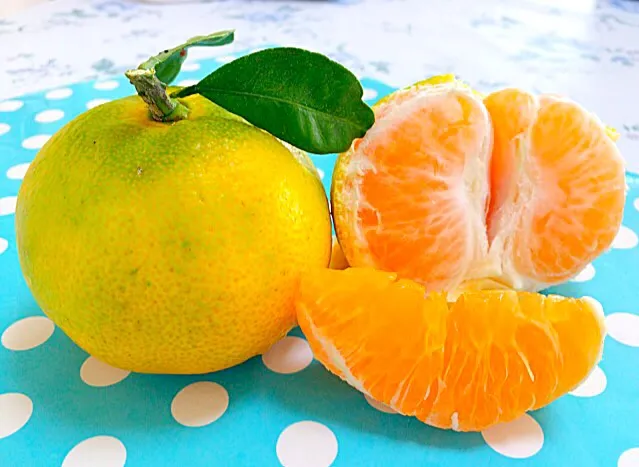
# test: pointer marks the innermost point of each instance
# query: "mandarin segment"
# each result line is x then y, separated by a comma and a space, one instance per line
487, 358
402, 196
579, 195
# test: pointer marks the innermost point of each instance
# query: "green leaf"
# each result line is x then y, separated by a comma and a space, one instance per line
167, 64
169, 69
301, 97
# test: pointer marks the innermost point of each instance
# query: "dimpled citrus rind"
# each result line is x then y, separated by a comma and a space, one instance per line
170, 248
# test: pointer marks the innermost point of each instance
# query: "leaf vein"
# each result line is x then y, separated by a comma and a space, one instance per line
329, 116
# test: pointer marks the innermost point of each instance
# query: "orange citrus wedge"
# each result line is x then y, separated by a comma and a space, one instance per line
487, 358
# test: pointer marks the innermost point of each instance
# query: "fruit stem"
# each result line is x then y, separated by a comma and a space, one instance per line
153, 91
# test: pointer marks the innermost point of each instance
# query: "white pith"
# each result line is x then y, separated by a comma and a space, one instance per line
597, 310
454, 421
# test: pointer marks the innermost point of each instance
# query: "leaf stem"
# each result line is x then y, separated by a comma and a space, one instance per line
153, 92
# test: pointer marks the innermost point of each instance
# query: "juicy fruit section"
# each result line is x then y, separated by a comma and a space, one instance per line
170, 248
558, 186
488, 357
458, 191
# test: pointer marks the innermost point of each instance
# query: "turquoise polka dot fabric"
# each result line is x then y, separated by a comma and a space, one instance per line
60, 407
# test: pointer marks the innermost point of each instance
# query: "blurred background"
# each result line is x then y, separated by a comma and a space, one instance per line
588, 49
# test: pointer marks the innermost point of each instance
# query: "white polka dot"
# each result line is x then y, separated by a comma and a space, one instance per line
290, 355
4, 244
15, 412
518, 439
585, 275
27, 333
35, 142
321, 173
199, 404
369, 94
636, 204
10, 106
187, 82
629, 458
48, 116
99, 374
8, 205
624, 328
96, 102
379, 405
99, 451
17, 172
625, 239
594, 385
306, 444
4, 128
226, 58
190, 67
57, 94
106, 85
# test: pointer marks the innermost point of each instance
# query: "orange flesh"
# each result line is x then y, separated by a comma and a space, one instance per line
424, 193
488, 358
414, 218
580, 207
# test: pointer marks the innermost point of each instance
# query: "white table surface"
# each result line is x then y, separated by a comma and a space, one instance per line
587, 49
